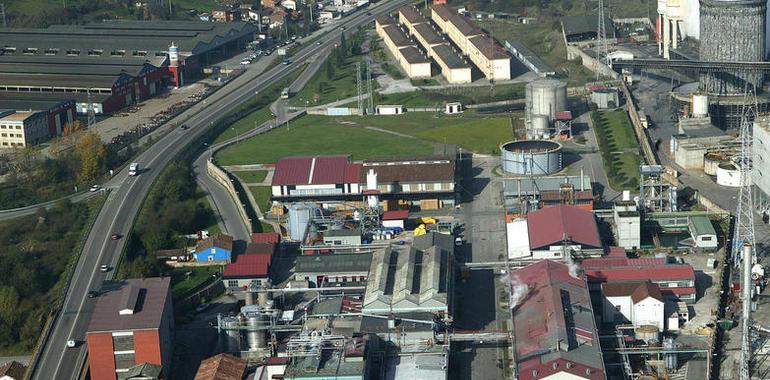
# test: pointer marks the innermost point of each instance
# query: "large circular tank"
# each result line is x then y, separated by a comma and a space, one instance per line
232, 336
710, 164
256, 339
531, 157
732, 31
545, 97
728, 175
647, 333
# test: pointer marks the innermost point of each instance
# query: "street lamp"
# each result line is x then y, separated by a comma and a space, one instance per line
237, 136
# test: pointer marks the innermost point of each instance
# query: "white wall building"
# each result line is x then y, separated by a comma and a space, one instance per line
639, 303
22, 128
628, 225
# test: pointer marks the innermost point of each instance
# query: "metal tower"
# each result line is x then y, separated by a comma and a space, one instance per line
359, 88
370, 101
744, 240
90, 110
601, 39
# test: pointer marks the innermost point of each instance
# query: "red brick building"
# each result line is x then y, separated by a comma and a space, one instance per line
132, 323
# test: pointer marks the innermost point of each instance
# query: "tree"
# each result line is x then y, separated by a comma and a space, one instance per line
321, 87
92, 154
9, 302
329, 70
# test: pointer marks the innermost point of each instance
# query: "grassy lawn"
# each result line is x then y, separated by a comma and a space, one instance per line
475, 133
321, 90
266, 227
182, 283
619, 148
464, 95
261, 196
315, 135
251, 176
425, 82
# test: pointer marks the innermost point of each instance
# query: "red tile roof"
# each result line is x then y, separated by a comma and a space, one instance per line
221, 367
311, 170
616, 262
266, 237
260, 249
248, 266
219, 240
351, 173
638, 291
552, 225
395, 215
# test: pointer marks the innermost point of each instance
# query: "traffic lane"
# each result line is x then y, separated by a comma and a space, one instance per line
222, 202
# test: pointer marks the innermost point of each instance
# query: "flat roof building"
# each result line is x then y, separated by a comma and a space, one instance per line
132, 323
455, 69
333, 268
553, 324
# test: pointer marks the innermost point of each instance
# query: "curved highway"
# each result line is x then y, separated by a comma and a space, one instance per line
121, 207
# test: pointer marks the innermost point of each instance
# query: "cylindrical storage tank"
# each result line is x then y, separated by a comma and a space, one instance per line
231, 335
732, 31
700, 105
249, 298
671, 359
539, 125
262, 298
255, 338
531, 157
299, 219
647, 333
728, 175
711, 163
545, 97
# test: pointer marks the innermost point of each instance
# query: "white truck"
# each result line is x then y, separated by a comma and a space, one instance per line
133, 169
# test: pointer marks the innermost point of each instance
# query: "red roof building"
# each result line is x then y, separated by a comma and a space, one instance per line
250, 267
315, 176
676, 281
266, 237
553, 324
221, 367
560, 224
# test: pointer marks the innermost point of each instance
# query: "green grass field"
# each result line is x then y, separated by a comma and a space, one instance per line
321, 90
261, 196
619, 148
251, 176
315, 135
185, 279
464, 95
212, 225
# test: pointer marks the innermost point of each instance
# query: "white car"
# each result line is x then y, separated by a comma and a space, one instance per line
104, 268
94, 188
245, 62
71, 343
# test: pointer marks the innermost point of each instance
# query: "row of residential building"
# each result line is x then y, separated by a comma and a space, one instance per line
493, 61
409, 58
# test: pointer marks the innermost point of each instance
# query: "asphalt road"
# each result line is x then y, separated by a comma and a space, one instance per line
124, 201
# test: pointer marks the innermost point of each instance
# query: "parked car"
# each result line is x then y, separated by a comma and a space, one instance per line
184, 127
245, 62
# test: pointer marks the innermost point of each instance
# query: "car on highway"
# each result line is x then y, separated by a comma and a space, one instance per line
94, 188
343, 28
72, 343
92, 294
184, 127
104, 268
286, 61
245, 62
318, 43
115, 236
458, 241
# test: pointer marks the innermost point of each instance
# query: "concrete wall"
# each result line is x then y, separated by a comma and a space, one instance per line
221, 177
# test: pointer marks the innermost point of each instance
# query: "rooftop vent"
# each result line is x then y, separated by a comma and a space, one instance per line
128, 300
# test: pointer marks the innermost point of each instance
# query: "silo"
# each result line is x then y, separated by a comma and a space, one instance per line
671, 360
647, 333
700, 105
545, 97
230, 334
531, 157
299, 219
538, 127
732, 31
255, 338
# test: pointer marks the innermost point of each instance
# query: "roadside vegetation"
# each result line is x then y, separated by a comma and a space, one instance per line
31, 177
619, 148
317, 135
336, 78
251, 176
465, 95
38, 251
173, 208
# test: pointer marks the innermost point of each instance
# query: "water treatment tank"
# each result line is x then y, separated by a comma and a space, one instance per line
531, 157
231, 335
728, 175
255, 338
545, 97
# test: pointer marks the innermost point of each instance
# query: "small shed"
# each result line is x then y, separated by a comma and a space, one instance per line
394, 218
453, 108
343, 237
390, 109
702, 232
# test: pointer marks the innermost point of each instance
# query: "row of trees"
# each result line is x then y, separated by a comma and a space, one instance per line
33, 177
35, 254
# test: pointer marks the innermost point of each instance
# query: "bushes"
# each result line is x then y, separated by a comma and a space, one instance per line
620, 153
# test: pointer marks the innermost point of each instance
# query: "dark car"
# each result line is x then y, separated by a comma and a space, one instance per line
184, 127
115, 236
92, 294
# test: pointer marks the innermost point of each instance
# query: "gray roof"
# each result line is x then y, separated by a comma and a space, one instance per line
192, 37
397, 36
428, 34
586, 24
48, 81
411, 14
333, 263
489, 47
442, 11
331, 306
413, 55
464, 25
142, 371
343, 232
43, 100
151, 301
385, 20
450, 57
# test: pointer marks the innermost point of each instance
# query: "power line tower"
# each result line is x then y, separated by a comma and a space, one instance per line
744, 240
601, 39
90, 110
359, 88
370, 101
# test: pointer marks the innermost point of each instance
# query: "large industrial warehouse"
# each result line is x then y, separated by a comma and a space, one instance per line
118, 62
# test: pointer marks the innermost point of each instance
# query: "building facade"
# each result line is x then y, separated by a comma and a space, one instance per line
23, 128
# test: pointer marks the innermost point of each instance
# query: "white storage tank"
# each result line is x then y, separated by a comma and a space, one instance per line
545, 97
531, 157
299, 219
728, 175
539, 127
700, 105
711, 163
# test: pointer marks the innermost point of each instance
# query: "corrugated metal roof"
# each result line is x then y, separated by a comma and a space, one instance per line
248, 265
147, 315
659, 273
413, 169
554, 224
701, 225
333, 263
428, 34
489, 47
310, 170
266, 237
616, 262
